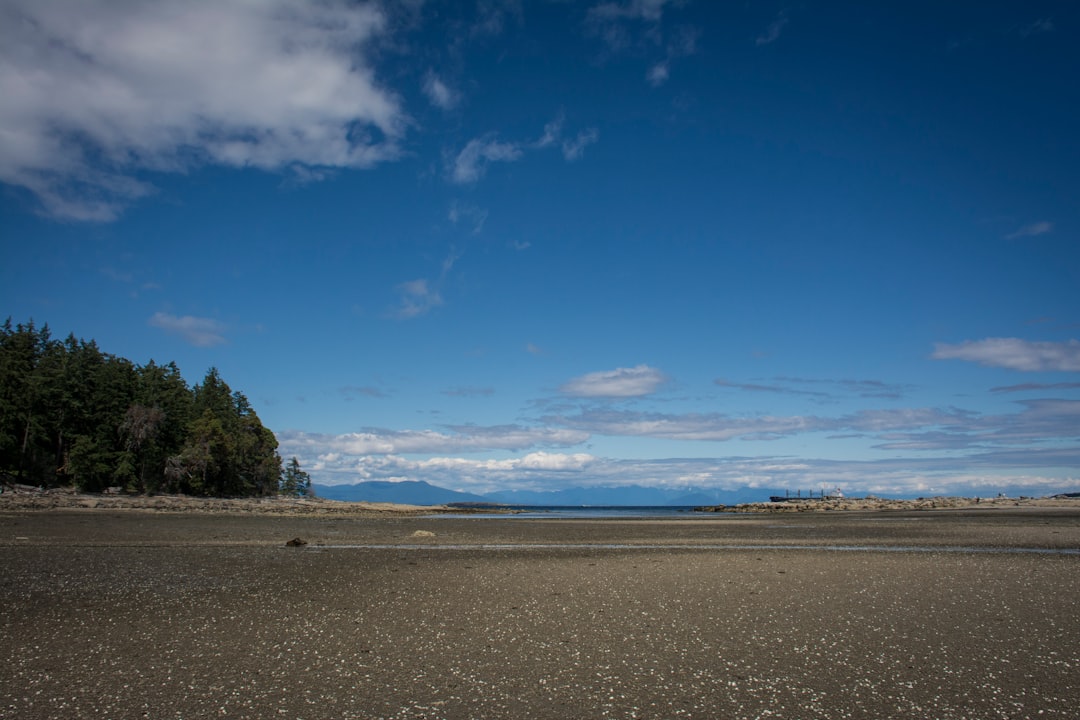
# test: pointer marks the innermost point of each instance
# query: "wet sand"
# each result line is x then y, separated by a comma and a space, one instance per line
946, 614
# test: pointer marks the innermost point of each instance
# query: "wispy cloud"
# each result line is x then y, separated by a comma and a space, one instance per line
1039, 424
469, 391
351, 392
469, 215
1031, 230
572, 148
772, 33
682, 43
780, 389
659, 73
837, 388
420, 296
618, 383
198, 331
1035, 387
1042, 25
472, 162
720, 427
647, 10
636, 26
417, 298
1015, 354
120, 88
492, 16
439, 93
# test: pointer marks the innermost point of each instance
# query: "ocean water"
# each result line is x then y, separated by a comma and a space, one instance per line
591, 512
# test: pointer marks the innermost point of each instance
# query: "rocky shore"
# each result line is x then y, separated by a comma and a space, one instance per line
22, 498
884, 504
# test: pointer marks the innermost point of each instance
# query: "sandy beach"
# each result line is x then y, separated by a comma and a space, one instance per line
949, 613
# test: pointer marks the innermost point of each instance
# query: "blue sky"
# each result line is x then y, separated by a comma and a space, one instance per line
498, 245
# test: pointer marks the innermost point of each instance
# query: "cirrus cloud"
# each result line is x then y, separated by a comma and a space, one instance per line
471, 163
1031, 230
1014, 354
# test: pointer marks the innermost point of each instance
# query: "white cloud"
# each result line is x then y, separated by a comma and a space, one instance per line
947, 452
463, 439
618, 383
1015, 354
555, 461
200, 332
772, 33
977, 474
534, 462
439, 93
471, 163
96, 91
1031, 230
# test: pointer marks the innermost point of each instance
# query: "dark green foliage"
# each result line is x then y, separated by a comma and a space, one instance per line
294, 481
71, 414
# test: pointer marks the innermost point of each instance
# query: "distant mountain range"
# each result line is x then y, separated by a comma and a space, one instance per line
414, 492
421, 493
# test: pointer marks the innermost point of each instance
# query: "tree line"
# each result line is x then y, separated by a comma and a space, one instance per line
71, 414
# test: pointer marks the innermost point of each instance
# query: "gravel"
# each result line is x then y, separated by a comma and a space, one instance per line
133, 614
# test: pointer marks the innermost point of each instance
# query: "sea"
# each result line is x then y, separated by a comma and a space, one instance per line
590, 512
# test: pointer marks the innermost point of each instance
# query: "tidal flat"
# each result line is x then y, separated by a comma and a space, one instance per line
945, 614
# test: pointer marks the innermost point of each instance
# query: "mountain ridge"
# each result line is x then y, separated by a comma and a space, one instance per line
417, 492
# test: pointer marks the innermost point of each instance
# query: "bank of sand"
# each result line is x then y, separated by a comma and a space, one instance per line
945, 614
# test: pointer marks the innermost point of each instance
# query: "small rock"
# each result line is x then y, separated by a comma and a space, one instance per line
296, 542
423, 533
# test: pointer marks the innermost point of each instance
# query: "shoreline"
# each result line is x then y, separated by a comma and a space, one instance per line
23, 498
888, 505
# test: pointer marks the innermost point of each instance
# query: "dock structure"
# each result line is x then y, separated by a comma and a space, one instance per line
836, 494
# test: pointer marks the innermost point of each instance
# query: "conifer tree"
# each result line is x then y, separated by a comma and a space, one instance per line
72, 414
295, 482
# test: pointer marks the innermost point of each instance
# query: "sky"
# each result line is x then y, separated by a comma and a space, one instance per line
550, 244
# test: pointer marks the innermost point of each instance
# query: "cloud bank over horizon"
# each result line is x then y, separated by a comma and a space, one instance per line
1038, 437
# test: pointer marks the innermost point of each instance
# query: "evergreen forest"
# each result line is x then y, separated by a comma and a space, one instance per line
72, 415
